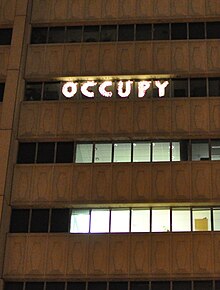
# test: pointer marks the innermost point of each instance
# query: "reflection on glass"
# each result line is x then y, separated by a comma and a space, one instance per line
120, 220
160, 220
79, 221
122, 152
84, 153
215, 150
140, 220
100, 221
201, 219
200, 150
181, 220
103, 153
141, 152
161, 151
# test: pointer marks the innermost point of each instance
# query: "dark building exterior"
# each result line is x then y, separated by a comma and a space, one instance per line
110, 144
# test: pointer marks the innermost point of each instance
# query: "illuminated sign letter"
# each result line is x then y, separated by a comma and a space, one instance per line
102, 89
143, 86
124, 93
85, 87
69, 89
161, 87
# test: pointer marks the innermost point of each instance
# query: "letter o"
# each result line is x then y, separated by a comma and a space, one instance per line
69, 89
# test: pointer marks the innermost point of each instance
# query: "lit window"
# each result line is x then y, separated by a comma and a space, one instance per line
100, 221
216, 219
103, 153
201, 219
80, 221
200, 150
175, 151
160, 220
122, 152
141, 151
181, 220
140, 220
84, 153
120, 220
215, 150
161, 151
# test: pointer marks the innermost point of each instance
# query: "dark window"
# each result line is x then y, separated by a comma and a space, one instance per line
179, 88
5, 36
33, 91
2, 89
161, 31
91, 33
76, 286
39, 35
45, 152
126, 32
34, 286
214, 87
13, 286
196, 30
204, 285
74, 34
97, 286
55, 286
19, 220
143, 32
213, 30
39, 221
51, 91
59, 221
217, 285
56, 34
139, 285
165, 285
118, 285
184, 150
182, 285
108, 33
178, 31
198, 87
26, 153
64, 152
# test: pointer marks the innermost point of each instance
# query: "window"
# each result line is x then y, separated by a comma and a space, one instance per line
39, 35
56, 34
198, 87
140, 220
213, 30
126, 32
55, 286
108, 33
19, 220
122, 152
178, 31
76, 286
214, 87
97, 286
64, 152
45, 152
80, 221
141, 151
91, 33
179, 88
33, 91
215, 150
143, 32
161, 151
204, 285
216, 219
120, 221
182, 285
51, 91
34, 286
160, 31
59, 220
160, 220
181, 220
200, 150
13, 286
74, 34
2, 88
201, 219
39, 221
176, 154
26, 153
100, 221
196, 30
159, 285
84, 153
103, 153
139, 285
5, 36
118, 286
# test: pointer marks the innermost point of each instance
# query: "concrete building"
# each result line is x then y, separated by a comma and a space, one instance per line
110, 144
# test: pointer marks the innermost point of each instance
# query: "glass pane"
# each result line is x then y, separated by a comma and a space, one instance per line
13, 286
74, 34
26, 153
39, 221
204, 285
100, 221
97, 286
178, 31
64, 152
126, 32
91, 33
103, 153
160, 220
198, 87
214, 87
161, 31
122, 152
179, 88
33, 91
34, 286
181, 285
2, 89
55, 286
213, 30
19, 220
108, 33
184, 150
201, 219
140, 220
216, 219
175, 151
84, 153
200, 151
118, 286
76, 286
5, 36
215, 150
143, 32
56, 35
51, 91
59, 220
141, 151
39, 35
139, 285
45, 152
181, 220
160, 285
80, 221
161, 151
120, 220
196, 30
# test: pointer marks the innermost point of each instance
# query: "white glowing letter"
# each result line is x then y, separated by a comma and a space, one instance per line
161, 87
143, 86
124, 93
102, 89
69, 89
85, 91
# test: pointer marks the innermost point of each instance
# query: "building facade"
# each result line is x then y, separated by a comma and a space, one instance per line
110, 144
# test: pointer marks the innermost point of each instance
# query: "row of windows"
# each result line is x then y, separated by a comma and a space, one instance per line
2, 89
5, 36
116, 220
125, 32
113, 285
177, 88
136, 151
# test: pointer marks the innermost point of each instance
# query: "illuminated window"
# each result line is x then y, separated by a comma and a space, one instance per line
215, 150
160, 220
84, 153
122, 152
216, 219
201, 219
80, 221
161, 151
176, 151
140, 220
120, 220
103, 153
100, 221
181, 220
141, 151
200, 150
